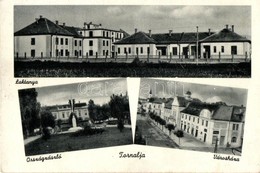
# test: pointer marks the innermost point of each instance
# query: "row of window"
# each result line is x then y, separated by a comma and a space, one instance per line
129, 50
189, 117
233, 49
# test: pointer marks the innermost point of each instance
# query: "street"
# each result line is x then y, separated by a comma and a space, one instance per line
154, 136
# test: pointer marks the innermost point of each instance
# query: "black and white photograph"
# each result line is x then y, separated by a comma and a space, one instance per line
132, 41
191, 116
75, 116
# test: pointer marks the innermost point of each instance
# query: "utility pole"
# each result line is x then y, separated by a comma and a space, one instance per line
197, 45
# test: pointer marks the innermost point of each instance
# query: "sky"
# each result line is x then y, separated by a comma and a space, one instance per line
160, 19
206, 93
98, 91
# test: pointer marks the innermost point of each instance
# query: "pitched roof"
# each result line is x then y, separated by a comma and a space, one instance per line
167, 38
183, 102
191, 37
73, 30
124, 33
137, 38
225, 35
219, 112
194, 108
43, 26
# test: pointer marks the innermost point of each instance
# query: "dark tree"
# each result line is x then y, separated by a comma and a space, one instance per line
29, 108
47, 119
170, 127
179, 134
119, 108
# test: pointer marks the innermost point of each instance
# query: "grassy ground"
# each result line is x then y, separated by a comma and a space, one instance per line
66, 69
66, 142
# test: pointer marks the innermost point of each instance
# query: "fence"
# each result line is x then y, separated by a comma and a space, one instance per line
144, 58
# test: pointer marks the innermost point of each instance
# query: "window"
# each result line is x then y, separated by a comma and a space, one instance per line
148, 50
57, 41
203, 122
182, 116
61, 41
234, 140
215, 49
125, 50
90, 33
104, 43
174, 50
79, 52
66, 41
198, 121
75, 43
79, 42
186, 116
206, 123
234, 50
63, 115
222, 49
33, 53
235, 127
142, 51
137, 51
107, 43
118, 50
76, 53
32, 41
90, 42
67, 52
193, 119
189, 118
104, 52
61, 52
104, 33
107, 34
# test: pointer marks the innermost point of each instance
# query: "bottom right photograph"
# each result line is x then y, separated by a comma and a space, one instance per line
191, 116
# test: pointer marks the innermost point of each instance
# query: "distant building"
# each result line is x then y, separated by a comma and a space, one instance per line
44, 38
224, 44
62, 112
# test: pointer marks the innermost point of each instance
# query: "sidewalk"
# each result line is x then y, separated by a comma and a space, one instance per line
188, 142
31, 139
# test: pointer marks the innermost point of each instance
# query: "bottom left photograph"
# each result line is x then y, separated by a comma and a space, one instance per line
76, 116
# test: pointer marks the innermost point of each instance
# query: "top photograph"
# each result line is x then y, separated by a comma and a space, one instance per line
132, 41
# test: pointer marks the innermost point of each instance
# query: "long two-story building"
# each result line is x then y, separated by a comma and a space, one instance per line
45, 39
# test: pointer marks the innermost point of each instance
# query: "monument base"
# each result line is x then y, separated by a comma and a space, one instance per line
74, 129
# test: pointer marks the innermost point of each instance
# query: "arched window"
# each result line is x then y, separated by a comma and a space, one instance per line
234, 140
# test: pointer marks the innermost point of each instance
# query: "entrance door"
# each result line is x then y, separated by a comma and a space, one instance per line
206, 54
222, 139
205, 137
185, 52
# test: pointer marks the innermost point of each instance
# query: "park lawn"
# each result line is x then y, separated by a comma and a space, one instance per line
66, 142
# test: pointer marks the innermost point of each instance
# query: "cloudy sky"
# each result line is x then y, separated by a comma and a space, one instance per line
99, 91
159, 19
206, 93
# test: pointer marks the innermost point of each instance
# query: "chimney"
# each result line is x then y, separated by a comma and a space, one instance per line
150, 33
64, 24
232, 28
135, 30
57, 22
209, 31
40, 16
170, 32
226, 26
